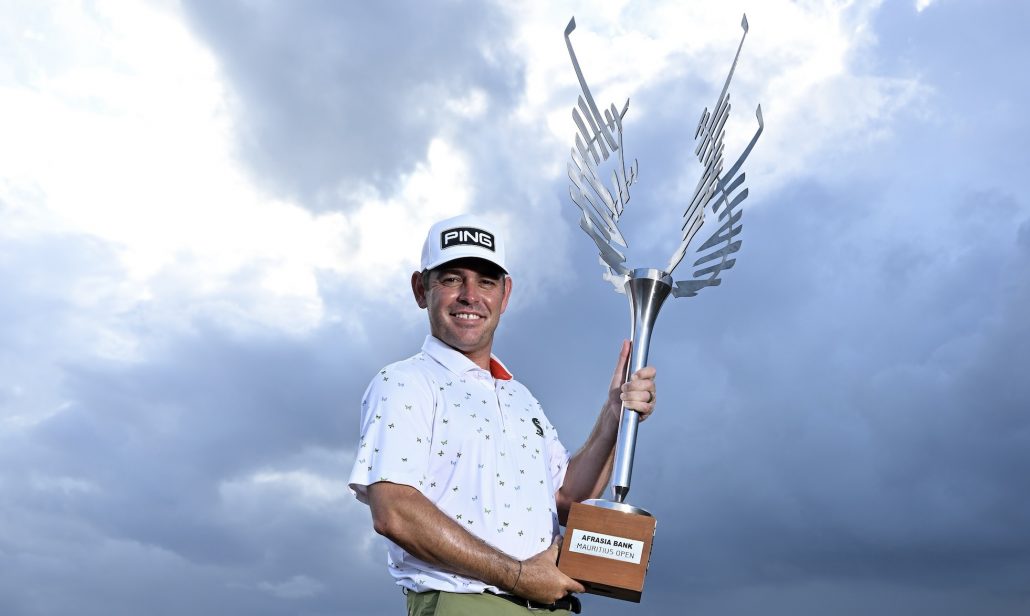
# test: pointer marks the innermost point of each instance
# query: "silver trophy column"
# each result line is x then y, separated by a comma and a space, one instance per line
647, 290
718, 191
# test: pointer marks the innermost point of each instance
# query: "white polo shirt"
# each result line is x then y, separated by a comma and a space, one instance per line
475, 442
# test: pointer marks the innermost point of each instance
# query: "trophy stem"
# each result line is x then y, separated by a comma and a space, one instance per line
647, 289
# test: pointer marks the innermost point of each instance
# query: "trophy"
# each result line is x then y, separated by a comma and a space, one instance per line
607, 543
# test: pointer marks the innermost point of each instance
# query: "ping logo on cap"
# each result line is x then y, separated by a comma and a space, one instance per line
467, 236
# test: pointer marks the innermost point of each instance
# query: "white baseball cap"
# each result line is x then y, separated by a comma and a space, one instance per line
463, 236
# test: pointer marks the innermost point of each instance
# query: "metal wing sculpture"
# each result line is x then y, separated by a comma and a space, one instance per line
718, 191
599, 136
601, 207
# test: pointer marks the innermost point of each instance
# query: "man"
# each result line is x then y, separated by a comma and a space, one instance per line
460, 467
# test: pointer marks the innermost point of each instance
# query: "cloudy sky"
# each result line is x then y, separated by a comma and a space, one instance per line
209, 211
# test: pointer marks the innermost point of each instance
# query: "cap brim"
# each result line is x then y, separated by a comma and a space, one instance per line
457, 256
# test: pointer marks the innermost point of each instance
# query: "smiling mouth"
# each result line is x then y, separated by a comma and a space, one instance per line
467, 316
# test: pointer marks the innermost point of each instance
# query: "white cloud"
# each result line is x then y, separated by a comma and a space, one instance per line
128, 140
802, 61
308, 485
471, 105
61, 485
297, 587
386, 232
304, 487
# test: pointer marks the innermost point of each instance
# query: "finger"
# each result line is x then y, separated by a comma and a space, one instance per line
647, 373
574, 586
552, 551
641, 391
639, 396
619, 375
643, 394
639, 401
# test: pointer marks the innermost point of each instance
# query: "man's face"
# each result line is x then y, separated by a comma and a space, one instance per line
465, 299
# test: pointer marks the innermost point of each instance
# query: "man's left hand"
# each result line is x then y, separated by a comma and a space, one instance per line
590, 469
637, 394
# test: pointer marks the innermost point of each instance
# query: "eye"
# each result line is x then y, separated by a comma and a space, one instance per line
450, 280
487, 283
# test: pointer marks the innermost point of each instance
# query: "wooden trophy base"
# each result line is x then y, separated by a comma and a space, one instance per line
607, 548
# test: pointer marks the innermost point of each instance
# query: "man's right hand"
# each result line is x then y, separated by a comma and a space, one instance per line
542, 581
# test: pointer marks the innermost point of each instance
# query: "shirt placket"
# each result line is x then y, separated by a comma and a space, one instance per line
495, 409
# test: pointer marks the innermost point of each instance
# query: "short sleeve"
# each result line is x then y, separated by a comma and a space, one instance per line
396, 427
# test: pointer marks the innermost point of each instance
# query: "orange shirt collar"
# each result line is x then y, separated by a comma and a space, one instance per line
458, 363
497, 369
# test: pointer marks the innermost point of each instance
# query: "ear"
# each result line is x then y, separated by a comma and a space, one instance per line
419, 290
507, 293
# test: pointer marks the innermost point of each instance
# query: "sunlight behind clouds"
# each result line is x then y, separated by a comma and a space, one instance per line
801, 62
128, 140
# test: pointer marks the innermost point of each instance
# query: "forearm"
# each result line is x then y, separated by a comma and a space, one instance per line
406, 517
591, 467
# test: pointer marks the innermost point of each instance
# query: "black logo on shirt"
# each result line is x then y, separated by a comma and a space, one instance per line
467, 236
539, 428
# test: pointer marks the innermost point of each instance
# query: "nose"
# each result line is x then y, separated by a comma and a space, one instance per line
469, 292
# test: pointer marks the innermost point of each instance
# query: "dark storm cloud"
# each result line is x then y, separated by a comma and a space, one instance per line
331, 94
855, 423
840, 430
127, 483
136, 477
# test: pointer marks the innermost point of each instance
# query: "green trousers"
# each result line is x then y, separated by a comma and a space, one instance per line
436, 603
